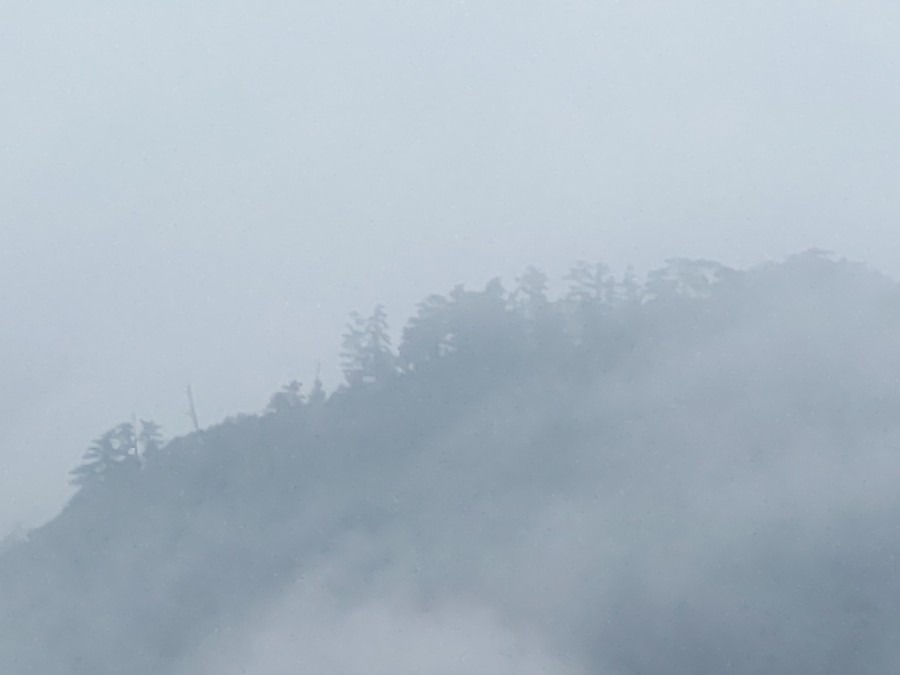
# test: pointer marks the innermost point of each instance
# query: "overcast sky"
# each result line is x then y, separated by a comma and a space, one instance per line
201, 191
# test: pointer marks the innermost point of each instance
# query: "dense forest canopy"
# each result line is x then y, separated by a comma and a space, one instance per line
694, 473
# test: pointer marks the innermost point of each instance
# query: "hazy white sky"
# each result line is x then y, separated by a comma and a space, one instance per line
201, 191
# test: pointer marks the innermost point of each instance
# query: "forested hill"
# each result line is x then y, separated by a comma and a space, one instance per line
695, 474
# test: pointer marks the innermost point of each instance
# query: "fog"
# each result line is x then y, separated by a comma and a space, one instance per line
695, 475
200, 193
309, 633
733, 506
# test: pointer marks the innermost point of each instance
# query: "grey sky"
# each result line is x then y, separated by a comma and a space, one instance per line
201, 191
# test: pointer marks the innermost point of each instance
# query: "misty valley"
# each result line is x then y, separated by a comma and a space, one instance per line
692, 473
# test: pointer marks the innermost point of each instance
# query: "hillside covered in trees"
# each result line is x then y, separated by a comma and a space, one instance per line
693, 474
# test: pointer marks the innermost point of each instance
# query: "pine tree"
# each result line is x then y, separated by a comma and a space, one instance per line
367, 357
381, 362
317, 395
289, 397
592, 294
354, 349
629, 289
590, 283
150, 438
426, 337
530, 296
115, 452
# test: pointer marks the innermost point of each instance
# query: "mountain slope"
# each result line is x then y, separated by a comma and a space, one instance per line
694, 476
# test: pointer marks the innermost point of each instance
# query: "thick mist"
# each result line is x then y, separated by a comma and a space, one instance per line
198, 193
670, 465
722, 500
693, 475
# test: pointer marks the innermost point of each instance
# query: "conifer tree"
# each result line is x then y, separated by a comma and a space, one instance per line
289, 397
112, 453
367, 357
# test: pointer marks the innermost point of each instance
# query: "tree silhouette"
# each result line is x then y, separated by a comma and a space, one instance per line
150, 438
317, 395
685, 279
367, 357
590, 283
426, 337
289, 397
113, 453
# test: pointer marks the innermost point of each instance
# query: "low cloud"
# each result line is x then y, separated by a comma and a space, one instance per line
312, 631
